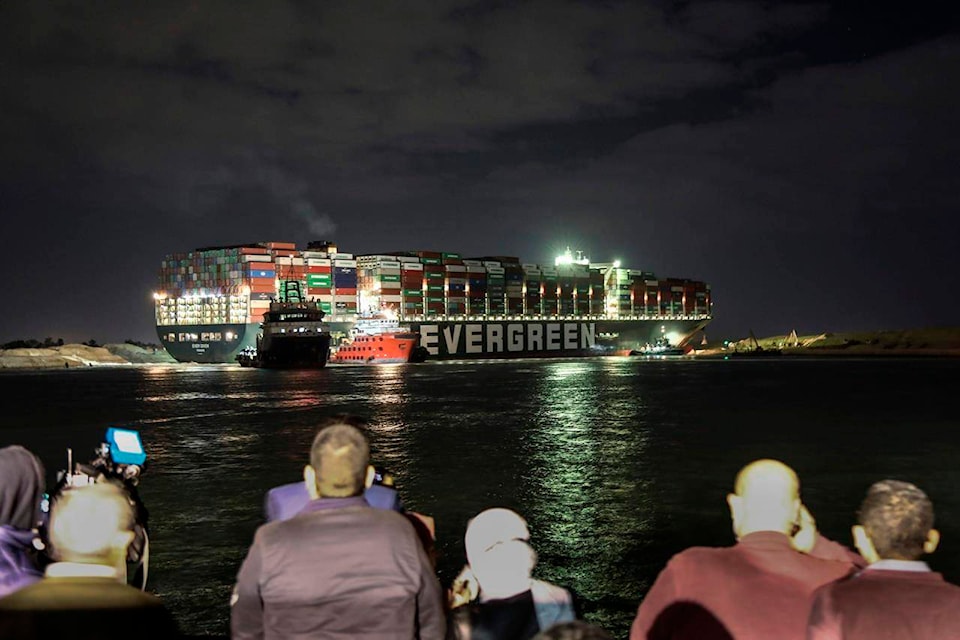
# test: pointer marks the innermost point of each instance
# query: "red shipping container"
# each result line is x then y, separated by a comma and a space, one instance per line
253, 251
346, 292
318, 269
281, 245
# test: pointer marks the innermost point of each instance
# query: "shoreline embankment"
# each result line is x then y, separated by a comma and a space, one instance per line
939, 342
71, 356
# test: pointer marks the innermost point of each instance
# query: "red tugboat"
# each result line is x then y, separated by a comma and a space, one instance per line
379, 340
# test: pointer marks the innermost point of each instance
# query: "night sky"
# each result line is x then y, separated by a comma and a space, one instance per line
802, 158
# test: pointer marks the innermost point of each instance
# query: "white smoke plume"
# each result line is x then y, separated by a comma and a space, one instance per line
321, 225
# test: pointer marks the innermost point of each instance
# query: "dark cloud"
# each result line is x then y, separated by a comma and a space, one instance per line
745, 143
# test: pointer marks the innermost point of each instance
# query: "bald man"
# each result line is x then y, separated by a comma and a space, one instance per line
761, 587
339, 568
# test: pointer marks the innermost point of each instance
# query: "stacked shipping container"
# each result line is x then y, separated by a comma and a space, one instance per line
233, 285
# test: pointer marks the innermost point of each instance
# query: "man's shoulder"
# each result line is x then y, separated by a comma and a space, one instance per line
56, 593
355, 516
701, 555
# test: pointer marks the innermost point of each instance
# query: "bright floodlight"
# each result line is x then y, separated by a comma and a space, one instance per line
616, 264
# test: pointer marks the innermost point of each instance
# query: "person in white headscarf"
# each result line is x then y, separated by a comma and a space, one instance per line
495, 595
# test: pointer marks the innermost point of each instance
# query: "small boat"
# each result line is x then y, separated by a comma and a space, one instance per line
379, 340
660, 348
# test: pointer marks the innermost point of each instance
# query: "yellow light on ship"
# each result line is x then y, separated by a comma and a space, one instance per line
229, 335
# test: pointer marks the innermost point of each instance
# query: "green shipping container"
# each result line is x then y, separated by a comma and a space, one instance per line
413, 292
434, 287
430, 260
389, 278
318, 280
433, 274
434, 299
450, 256
325, 307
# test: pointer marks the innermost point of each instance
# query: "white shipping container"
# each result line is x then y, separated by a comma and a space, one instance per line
410, 259
317, 262
495, 270
456, 281
527, 265
491, 263
343, 256
388, 264
297, 261
284, 260
390, 298
455, 268
410, 266
476, 269
472, 263
345, 263
389, 272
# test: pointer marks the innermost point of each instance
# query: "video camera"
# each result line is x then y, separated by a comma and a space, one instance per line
119, 459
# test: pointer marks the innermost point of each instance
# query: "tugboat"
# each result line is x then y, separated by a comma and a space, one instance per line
661, 347
379, 340
293, 334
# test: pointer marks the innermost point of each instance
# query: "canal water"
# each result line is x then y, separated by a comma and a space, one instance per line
616, 463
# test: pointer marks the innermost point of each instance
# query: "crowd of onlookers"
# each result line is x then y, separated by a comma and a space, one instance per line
339, 560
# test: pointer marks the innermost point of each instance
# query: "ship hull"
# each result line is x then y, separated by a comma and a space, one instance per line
539, 338
207, 343
294, 352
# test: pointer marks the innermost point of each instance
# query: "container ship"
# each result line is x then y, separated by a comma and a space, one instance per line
211, 301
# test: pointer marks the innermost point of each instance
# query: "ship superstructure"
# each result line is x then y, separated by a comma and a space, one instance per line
211, 301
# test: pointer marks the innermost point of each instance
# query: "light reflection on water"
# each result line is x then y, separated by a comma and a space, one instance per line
616, 463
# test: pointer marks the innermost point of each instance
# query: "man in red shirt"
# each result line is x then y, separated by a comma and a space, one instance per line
897, 596
761, 587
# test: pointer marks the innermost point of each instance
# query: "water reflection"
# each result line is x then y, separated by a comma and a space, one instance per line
587, 489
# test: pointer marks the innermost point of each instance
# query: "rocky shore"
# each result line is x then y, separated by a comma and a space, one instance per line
80, 355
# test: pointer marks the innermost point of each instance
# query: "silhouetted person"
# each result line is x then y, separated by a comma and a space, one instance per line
21, 489
761, 587
495, 596
340, 568
84, 594
897, 595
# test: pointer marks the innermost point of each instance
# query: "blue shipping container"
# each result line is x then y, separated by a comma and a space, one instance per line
262, 274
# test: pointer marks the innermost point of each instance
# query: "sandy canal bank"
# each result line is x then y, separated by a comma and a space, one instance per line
935, 342
80, 355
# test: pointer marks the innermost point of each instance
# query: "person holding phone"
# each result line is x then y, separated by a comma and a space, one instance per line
760, 588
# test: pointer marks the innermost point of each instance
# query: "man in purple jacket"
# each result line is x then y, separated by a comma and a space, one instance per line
340, 568
897, 596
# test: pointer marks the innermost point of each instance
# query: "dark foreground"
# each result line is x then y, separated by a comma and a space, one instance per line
617, 464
